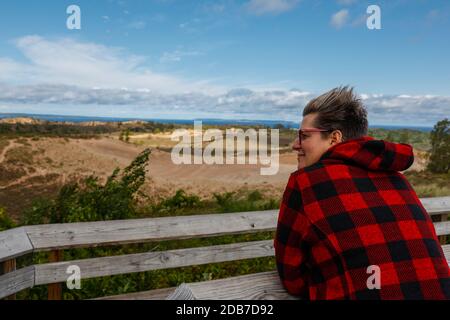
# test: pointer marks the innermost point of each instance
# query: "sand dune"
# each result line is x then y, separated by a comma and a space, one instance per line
71, 159
50, 162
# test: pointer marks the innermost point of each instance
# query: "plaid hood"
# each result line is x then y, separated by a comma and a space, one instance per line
371, 154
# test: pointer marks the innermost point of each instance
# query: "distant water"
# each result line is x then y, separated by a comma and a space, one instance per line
47, 117
398, 127
269, 123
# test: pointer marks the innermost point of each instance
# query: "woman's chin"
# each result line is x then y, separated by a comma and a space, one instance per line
301, 163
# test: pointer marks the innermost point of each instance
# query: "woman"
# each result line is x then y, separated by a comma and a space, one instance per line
350, 225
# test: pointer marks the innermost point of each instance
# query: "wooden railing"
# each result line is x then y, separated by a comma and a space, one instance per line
57, 237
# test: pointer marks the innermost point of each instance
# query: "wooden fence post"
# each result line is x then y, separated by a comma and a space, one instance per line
9, 266
55, 289
441, 218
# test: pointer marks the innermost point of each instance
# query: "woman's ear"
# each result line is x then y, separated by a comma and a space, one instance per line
336, 137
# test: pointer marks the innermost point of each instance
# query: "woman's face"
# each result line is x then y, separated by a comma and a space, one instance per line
312, 146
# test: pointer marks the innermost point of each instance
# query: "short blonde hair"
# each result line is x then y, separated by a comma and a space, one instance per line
339, 109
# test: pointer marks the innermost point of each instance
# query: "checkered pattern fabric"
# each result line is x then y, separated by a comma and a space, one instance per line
351, 227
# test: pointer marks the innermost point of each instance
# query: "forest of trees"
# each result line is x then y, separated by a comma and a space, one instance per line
76, 130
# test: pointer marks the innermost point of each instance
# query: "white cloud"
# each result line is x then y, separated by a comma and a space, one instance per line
70, 77
260, 7
177, 55
346, 2
69, 62
214, 7
339, 19
359, 21
241, 103
137, 25
192, 26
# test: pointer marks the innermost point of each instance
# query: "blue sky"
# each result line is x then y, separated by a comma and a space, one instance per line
252, 59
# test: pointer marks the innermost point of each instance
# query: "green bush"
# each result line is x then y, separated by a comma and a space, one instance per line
179, 201
440, 148
254, 196
92, 201
5, 221
253, 201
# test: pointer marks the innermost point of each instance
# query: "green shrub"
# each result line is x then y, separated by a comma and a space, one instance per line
440, 148
253, 201
5, 221
92, 201
179, 201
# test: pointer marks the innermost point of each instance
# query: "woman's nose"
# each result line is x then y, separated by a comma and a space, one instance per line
296, 145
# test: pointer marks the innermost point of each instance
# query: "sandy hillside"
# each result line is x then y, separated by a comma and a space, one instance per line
30, 168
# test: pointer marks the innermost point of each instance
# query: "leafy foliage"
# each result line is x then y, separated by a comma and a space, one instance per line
419, 139
5, 221
253, 201
440, 148
178, 202
92, 201
53, 129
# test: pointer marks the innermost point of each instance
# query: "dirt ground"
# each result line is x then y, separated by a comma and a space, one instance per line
30, 168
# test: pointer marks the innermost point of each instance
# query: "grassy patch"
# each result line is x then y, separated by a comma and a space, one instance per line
427, 184
19, 156
23, 141
3, 143
8, 174
185, 204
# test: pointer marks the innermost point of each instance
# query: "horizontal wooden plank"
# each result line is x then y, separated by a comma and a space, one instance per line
446, 249
183, 292
256, 286
25, 278
157, 294
140, 262
106, 266
442, 228
63, 236
436, 205
14, 243
259, 286
88, 234
16, 281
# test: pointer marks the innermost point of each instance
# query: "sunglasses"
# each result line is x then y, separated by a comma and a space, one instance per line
301, 131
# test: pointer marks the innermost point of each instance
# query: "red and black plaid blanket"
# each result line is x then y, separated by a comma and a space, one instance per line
351, 227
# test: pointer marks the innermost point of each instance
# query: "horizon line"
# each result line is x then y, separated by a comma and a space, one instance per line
128, 118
